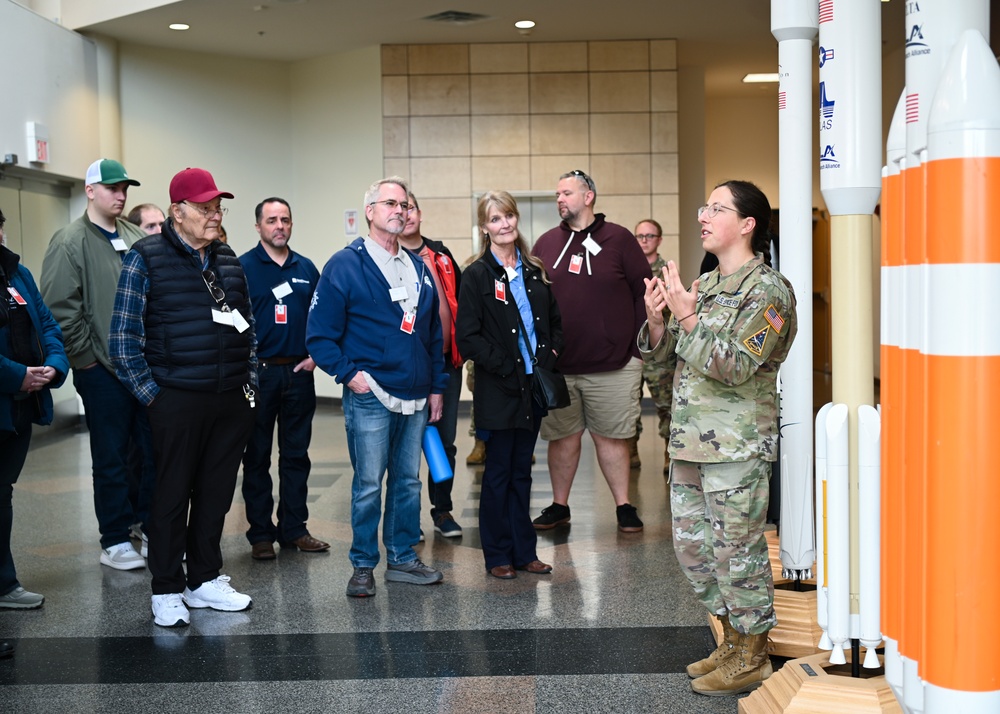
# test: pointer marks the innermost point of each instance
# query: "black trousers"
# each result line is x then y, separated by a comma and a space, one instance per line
198, 442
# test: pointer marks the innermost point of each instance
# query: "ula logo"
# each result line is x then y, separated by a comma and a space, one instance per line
828, 160
915, 44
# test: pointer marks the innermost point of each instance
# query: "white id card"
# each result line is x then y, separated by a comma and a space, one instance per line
591, 245
511, 272
397, 294
222, 318
239, 322
282, 290
119, 245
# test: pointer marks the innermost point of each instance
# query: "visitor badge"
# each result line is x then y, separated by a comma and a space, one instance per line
119, 245
17, 296
239, 322
397, 294
591, 245
409, 318
575, 264
282, 290
281, 314
500, 290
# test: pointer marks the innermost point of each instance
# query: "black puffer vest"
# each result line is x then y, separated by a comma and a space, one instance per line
185, 349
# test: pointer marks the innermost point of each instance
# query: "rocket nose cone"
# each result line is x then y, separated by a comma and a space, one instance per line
968, 94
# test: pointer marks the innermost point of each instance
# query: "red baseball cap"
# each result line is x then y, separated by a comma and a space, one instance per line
195, 185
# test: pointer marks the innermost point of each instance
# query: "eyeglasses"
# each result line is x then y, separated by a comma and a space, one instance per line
392, 203
586, 179
208, 212
646, 236
211, 282
713, 210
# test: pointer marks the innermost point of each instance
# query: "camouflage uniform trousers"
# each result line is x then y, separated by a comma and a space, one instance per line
718, 521
660, 381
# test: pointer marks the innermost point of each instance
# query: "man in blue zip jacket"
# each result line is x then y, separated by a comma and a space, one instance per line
374, 325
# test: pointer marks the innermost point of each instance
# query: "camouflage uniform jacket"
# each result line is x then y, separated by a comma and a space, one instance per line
725, 394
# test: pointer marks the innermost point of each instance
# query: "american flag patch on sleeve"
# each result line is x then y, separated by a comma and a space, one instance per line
774, 319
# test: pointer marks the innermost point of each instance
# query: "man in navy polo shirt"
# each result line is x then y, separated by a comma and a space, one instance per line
281, 285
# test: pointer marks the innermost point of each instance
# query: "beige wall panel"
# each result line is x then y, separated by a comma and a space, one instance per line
663, 54
447, 218
623, 210
620, 173
559, 93
498, 58
560, 134
439, 136
557, 57
670, 249
394, 59
664, 132
441, 178
395, 97
663, 91
499, 93
507, 173
665, 173
439, 95
619, 91
546, 170
619, 133
438, 59
395, 136
499, 135
461, 248
666, 211
397, 167
619, 55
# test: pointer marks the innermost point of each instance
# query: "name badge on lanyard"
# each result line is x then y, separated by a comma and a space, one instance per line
500, 290
409, 319
576, 264
17, 296
281, 314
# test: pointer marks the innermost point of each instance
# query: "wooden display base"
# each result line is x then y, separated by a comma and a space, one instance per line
797, 633
811, 685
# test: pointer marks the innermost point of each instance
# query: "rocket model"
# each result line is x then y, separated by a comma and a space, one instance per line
793, 24
848, 601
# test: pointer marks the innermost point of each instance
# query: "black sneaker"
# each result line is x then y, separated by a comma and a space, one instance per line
628, 519
361, 584
446, 526
554, 515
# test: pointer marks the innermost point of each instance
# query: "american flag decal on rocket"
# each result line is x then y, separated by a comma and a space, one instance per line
825, 11
912, 108
782, 103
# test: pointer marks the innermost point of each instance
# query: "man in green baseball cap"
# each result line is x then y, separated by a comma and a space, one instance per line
79, 279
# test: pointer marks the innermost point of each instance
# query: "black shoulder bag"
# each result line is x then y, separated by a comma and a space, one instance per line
548, 386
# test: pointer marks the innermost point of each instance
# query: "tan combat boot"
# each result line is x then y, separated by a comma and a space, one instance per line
477, 456
727, 647
742, 672
634, 462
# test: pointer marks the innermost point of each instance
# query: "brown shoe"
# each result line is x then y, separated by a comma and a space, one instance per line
477, 457
536, 567
307, 544
264, 550
504, 572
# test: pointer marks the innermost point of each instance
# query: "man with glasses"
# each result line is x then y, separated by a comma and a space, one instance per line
657, 377
79, 275
281, 287
597, 272
182, 340
375, 325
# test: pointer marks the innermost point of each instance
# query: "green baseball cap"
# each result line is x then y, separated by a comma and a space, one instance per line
108, 171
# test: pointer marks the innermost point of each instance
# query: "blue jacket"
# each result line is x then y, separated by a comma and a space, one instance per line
50, 341
355, 326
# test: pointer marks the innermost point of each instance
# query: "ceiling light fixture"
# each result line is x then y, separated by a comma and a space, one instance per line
524, 24
179, 26
760, 77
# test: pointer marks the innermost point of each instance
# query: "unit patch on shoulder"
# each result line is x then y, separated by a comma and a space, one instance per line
727, 302
755, 343
774, 319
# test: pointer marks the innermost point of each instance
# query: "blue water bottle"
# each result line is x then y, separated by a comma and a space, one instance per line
437, 460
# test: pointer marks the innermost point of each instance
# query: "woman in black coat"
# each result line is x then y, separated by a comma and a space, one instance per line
504, 283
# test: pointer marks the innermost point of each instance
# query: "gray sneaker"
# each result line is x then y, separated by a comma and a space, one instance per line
21, 599
361, 584
413, 572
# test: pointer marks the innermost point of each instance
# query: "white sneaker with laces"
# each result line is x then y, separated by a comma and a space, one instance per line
122, 557
169, 611
218, 595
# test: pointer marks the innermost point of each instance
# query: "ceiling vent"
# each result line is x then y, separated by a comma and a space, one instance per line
457, 17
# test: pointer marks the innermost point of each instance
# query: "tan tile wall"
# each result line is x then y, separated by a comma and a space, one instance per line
461, 119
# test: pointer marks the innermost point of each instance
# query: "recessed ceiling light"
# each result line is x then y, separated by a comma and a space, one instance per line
761, 77
179, 26
524, 24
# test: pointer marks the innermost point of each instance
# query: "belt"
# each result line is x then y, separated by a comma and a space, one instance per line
277, 361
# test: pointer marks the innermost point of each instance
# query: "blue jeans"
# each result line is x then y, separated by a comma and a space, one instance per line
111, 413
440, 493
290, 398
378, 441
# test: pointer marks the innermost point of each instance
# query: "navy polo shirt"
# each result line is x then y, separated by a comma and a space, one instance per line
274, 338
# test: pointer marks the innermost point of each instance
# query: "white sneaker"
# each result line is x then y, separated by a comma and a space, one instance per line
169, 611
122, 557
217, 595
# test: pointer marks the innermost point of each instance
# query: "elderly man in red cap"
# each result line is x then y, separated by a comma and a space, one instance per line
182, 341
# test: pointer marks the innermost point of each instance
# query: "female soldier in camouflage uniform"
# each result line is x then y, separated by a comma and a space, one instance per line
728, 335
